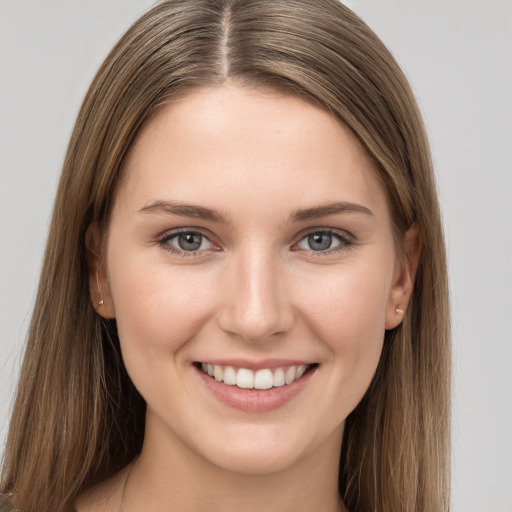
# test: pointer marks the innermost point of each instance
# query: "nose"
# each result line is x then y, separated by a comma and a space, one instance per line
255, 306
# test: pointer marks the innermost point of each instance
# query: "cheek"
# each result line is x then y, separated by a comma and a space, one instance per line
348, 300
158, 307
346, 312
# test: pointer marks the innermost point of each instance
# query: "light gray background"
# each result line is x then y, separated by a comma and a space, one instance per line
458, 56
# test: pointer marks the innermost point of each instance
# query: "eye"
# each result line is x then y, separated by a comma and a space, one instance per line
183, 242
324, 241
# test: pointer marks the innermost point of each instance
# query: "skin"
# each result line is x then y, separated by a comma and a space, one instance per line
255, 290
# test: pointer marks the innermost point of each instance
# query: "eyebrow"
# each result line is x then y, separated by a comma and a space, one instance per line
328, 209
185, 210
201, 212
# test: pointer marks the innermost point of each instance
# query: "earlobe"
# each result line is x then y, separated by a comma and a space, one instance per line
407, 267
99, 288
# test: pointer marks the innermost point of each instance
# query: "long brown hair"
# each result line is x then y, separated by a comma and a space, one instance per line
77, 418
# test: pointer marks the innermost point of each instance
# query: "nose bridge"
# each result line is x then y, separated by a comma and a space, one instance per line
256, 307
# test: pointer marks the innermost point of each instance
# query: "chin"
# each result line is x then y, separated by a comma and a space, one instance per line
263, 450
256, 461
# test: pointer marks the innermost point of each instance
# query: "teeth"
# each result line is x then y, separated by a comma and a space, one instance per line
279, 378
290, 375
247, 379
263, 379
300, 371
229, 376
218, 373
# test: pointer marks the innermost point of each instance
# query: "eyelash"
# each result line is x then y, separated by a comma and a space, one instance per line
166, 238
345, 242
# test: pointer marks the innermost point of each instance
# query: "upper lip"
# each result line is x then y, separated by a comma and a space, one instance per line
255, 365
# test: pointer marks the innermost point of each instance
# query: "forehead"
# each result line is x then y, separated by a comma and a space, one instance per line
262, 147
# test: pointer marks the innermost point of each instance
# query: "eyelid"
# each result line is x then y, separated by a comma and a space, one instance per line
346, 240
164, 238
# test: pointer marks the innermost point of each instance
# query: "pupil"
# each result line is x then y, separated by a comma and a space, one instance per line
189, 241
320, 241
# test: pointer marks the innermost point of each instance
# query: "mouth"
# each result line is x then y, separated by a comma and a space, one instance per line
262, 379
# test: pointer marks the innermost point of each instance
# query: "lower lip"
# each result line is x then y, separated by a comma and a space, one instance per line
255, 400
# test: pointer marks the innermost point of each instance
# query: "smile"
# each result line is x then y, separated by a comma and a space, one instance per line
262, 379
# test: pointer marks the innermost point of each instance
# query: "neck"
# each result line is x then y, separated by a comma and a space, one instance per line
170, 476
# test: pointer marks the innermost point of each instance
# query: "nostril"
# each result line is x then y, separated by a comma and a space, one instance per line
256, 325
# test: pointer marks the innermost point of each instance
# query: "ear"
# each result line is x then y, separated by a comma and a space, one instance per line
405, 273
99, 287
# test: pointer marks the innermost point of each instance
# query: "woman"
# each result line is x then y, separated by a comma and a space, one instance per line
243, 302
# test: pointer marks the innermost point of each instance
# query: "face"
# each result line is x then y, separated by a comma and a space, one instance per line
250, 239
